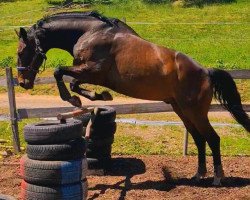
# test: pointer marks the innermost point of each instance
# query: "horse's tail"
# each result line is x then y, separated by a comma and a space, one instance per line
226, 92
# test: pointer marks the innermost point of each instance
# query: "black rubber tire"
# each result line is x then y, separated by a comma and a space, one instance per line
107, 115
104, 163
52, 173
97, 143
52, 132
84, 119
101, 152
78, 191
103, 131
72, 150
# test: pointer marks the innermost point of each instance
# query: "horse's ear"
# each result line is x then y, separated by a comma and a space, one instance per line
23, 34
17, 33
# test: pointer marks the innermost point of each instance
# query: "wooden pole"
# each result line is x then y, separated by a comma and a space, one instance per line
185, 144
12, 107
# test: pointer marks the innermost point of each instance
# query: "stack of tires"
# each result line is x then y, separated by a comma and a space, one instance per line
101, 137
55, 166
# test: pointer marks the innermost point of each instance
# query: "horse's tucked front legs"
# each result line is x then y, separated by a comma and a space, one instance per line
91, 95
63, 91
77, 73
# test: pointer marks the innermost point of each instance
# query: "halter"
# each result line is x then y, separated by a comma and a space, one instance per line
39, 52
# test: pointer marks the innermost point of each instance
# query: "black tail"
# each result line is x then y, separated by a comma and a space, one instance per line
226, 92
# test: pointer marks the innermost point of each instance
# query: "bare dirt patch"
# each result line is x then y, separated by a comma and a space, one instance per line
153, 177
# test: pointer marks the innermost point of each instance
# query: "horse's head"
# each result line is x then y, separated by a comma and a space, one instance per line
30, 56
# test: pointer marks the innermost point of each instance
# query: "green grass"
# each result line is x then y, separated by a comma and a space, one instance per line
221, 45
214, 45
159, 140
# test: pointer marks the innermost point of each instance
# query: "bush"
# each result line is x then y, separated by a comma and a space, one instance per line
156, 1
65, 2
200, 3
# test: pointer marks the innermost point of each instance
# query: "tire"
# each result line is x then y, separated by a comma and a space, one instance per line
107, 115
100, 153
84, 119
103, 131
76, 191
52, 173
96, 143
52, 132
72, 150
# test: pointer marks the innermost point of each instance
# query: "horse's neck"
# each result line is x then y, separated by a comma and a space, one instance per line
62, 39
65, 35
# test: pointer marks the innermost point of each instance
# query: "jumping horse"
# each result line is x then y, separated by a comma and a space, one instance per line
109, 53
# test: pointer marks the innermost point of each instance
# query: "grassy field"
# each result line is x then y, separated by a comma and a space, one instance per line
216, 35
157, 140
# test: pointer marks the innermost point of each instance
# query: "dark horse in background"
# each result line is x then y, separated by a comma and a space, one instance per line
109, 53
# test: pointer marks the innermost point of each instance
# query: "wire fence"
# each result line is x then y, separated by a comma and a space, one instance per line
3, 28
30, 11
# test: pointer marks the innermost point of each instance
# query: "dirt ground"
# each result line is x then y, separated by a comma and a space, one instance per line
152, 177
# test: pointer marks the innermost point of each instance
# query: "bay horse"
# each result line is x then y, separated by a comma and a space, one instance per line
109, 53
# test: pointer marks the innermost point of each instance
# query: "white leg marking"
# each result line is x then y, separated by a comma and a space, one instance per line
218, 175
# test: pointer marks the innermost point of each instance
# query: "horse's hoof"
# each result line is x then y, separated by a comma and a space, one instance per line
106, 96
75, 101
197, 177
217, 181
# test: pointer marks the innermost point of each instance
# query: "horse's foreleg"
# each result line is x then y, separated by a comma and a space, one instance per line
91, 95
63, 91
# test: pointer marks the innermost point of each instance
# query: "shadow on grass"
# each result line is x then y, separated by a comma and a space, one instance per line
202, 3
79, 2
6, 1
129, 167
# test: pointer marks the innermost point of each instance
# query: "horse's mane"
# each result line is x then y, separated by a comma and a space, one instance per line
113, 22
75, 15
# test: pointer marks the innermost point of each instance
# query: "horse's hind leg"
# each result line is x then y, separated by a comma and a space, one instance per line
202, 124
91, 95
199, 141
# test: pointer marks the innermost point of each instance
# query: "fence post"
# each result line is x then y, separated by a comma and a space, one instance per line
13, 112
185, 144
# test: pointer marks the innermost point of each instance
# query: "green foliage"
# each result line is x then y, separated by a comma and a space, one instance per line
156, 1
98, 1
63, 2
201, 3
